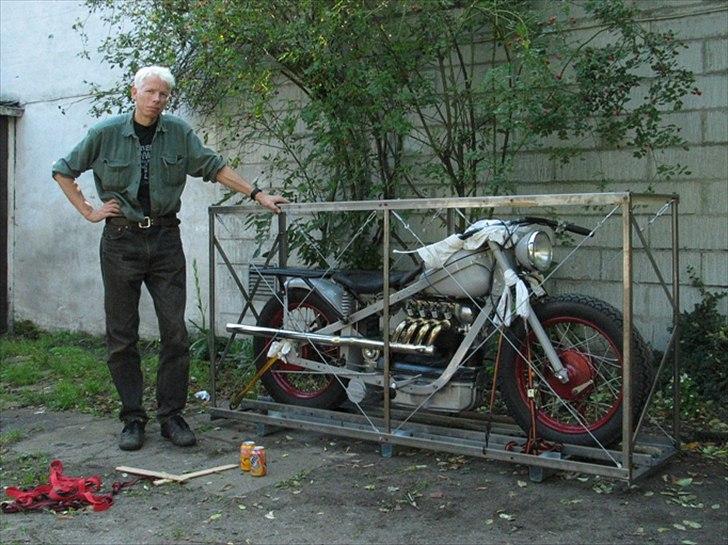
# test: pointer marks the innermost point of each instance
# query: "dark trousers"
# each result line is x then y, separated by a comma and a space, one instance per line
154, 256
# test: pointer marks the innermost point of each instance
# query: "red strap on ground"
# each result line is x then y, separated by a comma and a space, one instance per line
62, 493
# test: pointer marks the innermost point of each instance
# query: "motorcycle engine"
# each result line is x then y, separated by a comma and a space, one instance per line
436, 322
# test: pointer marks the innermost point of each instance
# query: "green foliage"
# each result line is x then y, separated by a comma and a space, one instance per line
353, 100
704, 345
703, 363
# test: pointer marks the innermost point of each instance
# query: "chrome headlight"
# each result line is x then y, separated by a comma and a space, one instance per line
535, 251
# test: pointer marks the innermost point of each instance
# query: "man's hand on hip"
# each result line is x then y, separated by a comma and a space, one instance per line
110, 209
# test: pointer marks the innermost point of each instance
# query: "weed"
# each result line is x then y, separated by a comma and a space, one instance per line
8, 438
295, 481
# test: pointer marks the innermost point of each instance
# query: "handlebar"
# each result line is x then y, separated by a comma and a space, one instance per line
558, 225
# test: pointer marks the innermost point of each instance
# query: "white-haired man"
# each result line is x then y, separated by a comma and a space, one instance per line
140, 163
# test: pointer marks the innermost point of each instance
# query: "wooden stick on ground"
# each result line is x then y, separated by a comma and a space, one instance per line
150, 473
187, 476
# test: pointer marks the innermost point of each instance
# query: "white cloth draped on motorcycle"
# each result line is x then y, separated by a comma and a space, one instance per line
436, 255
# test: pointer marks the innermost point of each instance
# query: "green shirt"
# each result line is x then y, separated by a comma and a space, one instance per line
111, 149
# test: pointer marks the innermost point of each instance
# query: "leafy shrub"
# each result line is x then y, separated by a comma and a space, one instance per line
704, 345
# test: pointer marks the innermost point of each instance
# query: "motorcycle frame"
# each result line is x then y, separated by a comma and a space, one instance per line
634, 463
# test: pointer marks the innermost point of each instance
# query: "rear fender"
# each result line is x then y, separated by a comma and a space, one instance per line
340, 300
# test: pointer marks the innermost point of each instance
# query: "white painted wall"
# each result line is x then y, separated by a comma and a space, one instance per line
56, 281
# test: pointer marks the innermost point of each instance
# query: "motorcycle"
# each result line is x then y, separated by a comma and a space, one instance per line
558, 361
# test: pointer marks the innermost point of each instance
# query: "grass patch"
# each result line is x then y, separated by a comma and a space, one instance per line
11, 437
67, 371
26, 471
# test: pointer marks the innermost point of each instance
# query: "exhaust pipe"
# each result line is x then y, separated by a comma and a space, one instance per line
332, 340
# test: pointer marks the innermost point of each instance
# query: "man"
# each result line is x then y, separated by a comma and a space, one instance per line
140, 162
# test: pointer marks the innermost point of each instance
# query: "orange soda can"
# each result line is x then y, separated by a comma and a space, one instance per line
258, 465
246, 450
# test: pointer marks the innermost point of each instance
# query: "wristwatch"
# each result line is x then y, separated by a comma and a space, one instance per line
254, 193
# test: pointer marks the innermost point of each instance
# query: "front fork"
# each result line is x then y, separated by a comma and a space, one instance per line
560, 372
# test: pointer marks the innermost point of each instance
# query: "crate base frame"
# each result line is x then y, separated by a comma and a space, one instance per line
649, 452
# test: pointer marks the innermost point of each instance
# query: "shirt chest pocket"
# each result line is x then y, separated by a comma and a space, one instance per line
116, 174
174, 169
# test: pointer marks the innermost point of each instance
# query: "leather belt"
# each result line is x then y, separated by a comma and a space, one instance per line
146, 223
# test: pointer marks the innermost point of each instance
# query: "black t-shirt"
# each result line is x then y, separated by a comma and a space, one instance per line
145, 135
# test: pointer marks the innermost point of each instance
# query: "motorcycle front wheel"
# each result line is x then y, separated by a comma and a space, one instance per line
291, 384
587, 335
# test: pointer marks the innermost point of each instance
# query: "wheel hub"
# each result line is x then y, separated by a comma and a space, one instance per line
581, 376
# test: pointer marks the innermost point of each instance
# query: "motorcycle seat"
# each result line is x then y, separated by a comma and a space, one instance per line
367, 282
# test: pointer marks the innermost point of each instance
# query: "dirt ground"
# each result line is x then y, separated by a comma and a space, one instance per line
322, 489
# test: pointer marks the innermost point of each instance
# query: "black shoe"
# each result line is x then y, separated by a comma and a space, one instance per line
132, 436
176, 430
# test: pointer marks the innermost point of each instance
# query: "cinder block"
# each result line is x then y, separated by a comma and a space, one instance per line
688, 123
703, 162
712, 93
618, 165
715, 197
704, 232
716, 126
691, 57
605, 291
651, 301
694, 27
715, 267
716, 55
533, 167
583, 264
644, 272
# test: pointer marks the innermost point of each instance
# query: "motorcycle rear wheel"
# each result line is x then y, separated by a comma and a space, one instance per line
291, 384
587, 336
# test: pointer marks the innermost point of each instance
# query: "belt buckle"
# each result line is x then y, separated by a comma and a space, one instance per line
146, 223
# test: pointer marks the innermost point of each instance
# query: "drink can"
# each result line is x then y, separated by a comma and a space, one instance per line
246, 450
258, 465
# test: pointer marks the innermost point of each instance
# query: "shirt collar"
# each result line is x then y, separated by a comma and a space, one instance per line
128, 129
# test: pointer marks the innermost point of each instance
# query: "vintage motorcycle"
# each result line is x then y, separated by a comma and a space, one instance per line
319, 341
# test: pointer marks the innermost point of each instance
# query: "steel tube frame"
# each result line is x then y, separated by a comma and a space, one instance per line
626, 470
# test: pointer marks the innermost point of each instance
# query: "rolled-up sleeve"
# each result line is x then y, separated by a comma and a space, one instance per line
202, 161
80, 159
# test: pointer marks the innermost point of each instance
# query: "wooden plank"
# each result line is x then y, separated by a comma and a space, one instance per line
187, 476
149, 473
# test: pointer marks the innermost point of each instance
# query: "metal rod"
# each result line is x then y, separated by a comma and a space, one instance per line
331, 340
385, 320
282, 245
656, 380
524, 201
237, 280
676, 324
211, 305
646, 247
627, 335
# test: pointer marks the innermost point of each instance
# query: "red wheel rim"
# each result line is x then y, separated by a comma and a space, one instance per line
593, 393
289, 377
